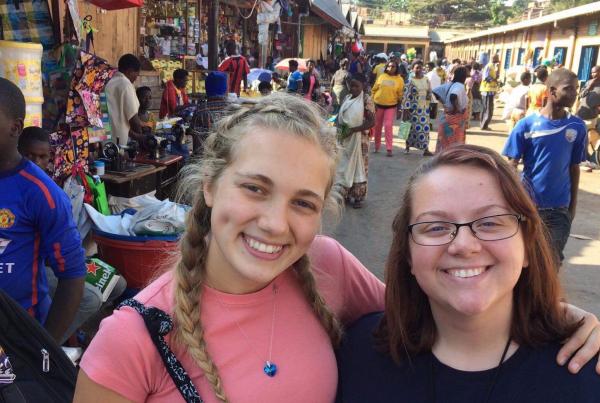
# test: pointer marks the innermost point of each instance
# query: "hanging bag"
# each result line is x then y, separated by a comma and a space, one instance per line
42, 372
404, 130
159, 324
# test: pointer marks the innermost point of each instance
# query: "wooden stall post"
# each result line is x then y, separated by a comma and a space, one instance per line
213, 35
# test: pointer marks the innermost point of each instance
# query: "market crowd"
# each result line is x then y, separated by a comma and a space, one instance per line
258, 307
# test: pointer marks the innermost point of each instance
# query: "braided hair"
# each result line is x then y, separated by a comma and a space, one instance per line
284, 113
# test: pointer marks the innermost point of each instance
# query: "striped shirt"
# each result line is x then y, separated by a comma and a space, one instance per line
238, 68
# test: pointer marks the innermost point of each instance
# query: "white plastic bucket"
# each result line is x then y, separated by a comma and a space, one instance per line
21, 63
33, 113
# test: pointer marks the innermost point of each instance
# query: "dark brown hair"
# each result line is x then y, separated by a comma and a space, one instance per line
407, 326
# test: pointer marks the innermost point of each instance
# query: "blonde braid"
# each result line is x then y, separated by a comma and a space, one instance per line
328, 320
189, 277
287, 114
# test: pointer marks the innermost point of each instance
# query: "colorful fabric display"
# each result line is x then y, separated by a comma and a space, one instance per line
27, 21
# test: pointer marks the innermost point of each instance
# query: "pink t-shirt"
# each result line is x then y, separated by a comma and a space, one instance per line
122, 357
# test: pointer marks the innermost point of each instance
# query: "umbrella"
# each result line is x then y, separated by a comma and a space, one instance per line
283, 65
256, 73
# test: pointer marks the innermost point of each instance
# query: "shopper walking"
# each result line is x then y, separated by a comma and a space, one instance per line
489, 87
417, 96
356, 117
453, 116
387, 95
340, 84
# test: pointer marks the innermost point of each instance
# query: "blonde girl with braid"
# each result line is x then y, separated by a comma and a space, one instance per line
257, 297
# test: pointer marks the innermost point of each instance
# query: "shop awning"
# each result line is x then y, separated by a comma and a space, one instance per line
330, 11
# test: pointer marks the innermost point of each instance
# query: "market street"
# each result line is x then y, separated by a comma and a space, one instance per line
367, 232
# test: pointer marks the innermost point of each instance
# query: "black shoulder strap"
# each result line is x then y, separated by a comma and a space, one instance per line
159, 324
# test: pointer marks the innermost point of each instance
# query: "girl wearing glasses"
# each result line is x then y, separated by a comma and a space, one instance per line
473, 309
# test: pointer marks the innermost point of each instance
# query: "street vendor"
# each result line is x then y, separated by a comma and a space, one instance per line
147, 118
174, 96
122, 101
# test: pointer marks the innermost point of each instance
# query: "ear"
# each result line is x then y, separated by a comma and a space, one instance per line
207, 189
16, 128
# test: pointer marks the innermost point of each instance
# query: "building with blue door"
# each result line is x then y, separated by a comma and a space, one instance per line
571, 38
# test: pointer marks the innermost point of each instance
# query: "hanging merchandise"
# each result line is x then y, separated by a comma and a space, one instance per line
57, 69
357, 46
88, 30
117, 4
89, 79
169, 29
69, 151
27, 21
268, 13
62, 154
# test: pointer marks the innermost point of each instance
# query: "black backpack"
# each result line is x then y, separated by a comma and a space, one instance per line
43, 373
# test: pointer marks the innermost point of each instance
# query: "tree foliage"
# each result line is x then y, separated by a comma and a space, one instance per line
436, 13
559, 5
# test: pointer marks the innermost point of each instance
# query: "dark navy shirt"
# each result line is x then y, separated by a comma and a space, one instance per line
528, 376
36, 225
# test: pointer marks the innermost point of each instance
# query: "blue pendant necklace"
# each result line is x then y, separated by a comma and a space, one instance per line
269, 368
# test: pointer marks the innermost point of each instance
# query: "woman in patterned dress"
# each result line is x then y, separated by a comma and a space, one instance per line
357, 114
417, 95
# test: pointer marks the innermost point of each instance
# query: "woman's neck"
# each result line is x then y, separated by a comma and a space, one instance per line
474, 342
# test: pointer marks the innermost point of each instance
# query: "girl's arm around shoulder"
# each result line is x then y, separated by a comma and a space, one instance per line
347, 286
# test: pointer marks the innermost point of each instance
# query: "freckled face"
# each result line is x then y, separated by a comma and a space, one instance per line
266, 209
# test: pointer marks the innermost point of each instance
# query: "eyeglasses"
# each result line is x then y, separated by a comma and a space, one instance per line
491, 228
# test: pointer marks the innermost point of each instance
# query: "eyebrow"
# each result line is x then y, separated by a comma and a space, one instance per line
443, 214
267, 181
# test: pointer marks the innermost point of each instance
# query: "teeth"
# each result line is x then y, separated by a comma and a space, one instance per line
262, 247
466, 273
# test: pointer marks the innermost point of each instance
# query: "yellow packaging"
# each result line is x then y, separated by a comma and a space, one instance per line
21, 64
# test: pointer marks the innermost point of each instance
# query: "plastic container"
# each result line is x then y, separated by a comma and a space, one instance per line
21, 63
138, 259
99, 165
33, 111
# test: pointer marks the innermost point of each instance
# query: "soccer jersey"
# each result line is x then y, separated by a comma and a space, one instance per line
548, 148
36, 225
293, 79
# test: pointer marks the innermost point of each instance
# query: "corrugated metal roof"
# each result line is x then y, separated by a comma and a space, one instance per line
444, 35
397, 31
331, 11
590, 8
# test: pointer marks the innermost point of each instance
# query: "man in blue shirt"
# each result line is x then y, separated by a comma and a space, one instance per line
552, 144
294, 84
36, 226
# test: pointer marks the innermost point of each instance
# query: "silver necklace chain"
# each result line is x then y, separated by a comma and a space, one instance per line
269, 362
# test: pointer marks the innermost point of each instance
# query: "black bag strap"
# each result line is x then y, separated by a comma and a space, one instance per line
159, 324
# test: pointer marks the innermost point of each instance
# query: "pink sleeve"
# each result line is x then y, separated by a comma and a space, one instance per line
122, 357
348, 287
